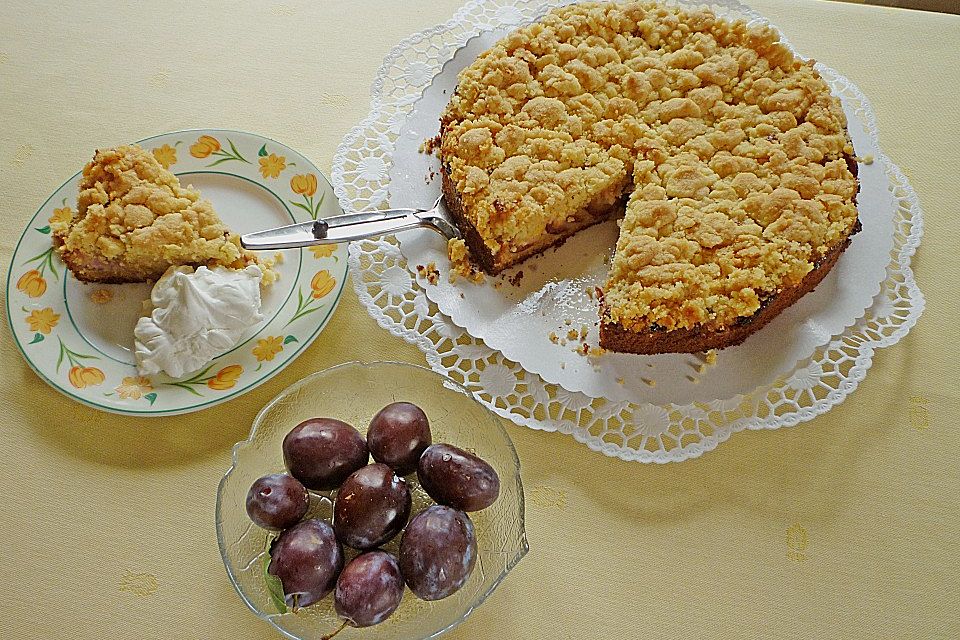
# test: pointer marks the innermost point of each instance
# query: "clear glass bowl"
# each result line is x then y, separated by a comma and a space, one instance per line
354, 392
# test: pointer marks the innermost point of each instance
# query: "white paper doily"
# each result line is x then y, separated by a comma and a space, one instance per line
644, 432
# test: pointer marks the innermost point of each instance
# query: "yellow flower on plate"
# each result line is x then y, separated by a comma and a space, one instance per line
323, 250
32, 284
322, 283
204, 146
272, 165
304, 184
225, 378
43, 320
64, 216
165, 155
134, 387
268, 347
81, 377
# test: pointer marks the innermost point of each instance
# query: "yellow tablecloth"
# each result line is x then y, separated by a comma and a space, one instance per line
845, 527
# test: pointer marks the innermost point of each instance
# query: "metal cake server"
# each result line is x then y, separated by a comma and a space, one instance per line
353, 226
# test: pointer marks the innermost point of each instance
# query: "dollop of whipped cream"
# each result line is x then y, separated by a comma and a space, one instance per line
196, 316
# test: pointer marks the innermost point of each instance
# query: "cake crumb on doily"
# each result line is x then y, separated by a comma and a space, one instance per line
429, 145
460, 265
430, 272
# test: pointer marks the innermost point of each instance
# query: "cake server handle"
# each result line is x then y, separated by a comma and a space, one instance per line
351, 226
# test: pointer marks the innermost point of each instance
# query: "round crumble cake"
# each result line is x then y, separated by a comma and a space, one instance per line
727, 156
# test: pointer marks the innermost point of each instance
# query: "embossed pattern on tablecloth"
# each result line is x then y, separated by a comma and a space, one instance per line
844, 528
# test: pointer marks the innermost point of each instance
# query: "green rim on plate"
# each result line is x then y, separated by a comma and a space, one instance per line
64, 349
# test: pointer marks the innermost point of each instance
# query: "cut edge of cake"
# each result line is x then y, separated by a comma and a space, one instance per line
481, 255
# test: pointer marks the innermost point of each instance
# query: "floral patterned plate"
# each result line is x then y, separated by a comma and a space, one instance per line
79, 337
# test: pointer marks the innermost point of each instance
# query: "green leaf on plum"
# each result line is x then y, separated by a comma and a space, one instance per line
274, 586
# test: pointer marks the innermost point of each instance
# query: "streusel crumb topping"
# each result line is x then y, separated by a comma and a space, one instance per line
733, 153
